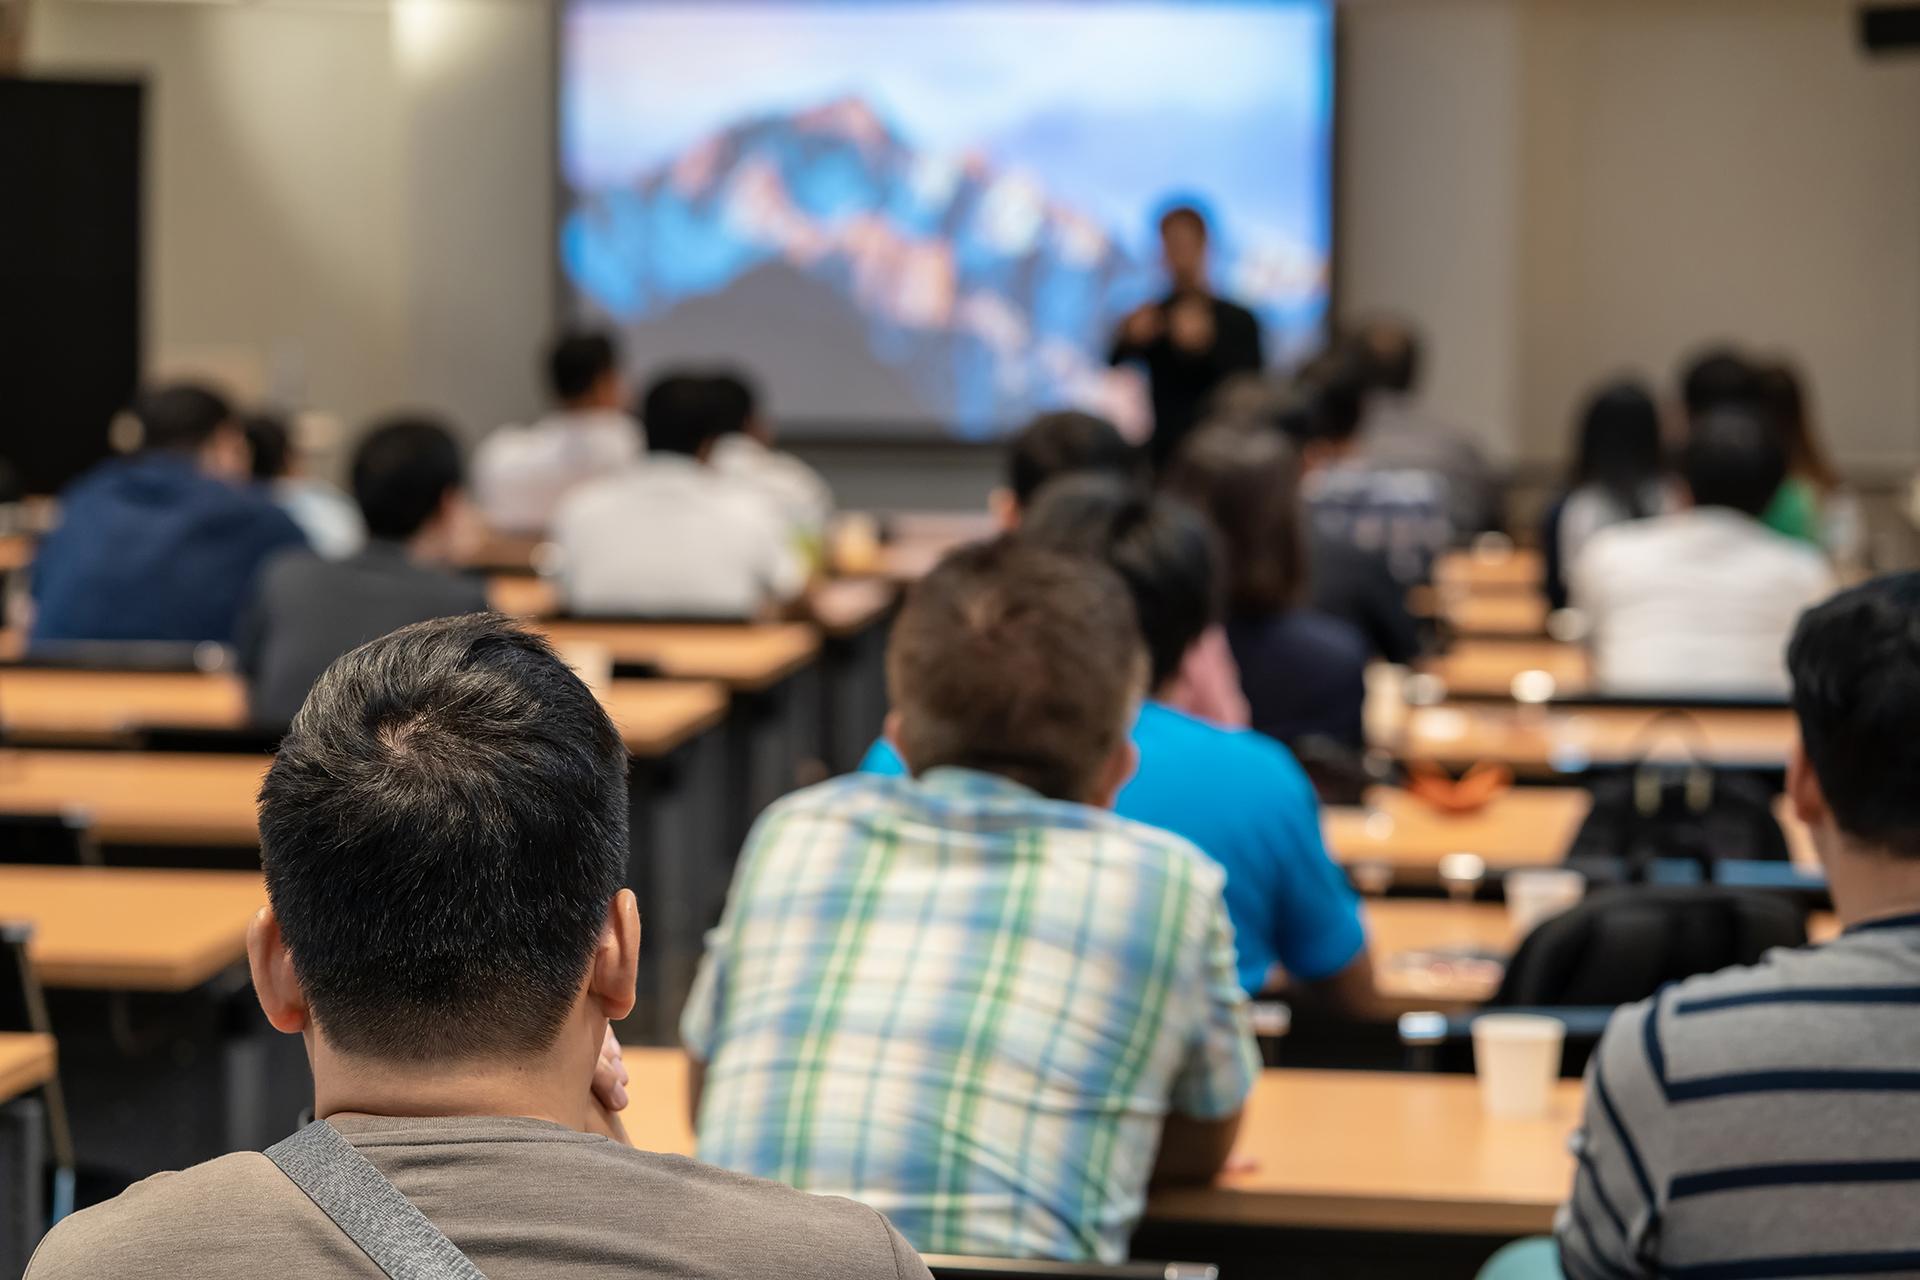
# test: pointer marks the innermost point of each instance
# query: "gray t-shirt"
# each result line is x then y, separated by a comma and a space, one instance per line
524, 1199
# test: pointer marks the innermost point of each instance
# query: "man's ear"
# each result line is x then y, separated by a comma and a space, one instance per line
1115, 774
890, 730
616, 960
1005, 510
274, 982
1804, 792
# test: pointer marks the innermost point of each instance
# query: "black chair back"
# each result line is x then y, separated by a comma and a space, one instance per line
244, 742
23, 1008
49, 839
1622, 945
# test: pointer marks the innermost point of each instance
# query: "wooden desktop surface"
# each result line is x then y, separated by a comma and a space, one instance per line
53, 701
16, 552
138, 797
1487, 668
27, 1061
521, 595
1517, 615
1526, 827
1337, 1149
656, 716
744, 656
131, 929
1571, 738
844, 607
1481, 571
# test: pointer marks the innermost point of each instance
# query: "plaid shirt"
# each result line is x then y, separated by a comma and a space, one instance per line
968, 1007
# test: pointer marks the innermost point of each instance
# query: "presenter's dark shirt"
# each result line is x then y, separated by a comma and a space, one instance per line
1182, 380
149, 547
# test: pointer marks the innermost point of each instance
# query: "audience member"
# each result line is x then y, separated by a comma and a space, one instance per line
1190, 341
407, 478
1812, 505
1715, 378
1304, 673
327, 517
444, 834
1757, 1122
1397, 434
745, 452
521, 474
970, 998
1620, 473
163, 544
671, 537
1061, 444
1702, 600
1239, 796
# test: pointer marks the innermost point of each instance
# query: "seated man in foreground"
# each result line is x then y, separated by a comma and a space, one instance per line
971, 998
445, 835
1760, 1122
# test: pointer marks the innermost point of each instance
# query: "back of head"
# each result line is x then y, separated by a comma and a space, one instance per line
1162, 549
1017, 661
1855, 662
1734, 458
1247, 482
1330, 390
1620, 446
1717, 377
1066, 443
1389, 348
442, 832
402, 473
181, 417
1782, 393
736, 403
682, 411
271, 441
578, 364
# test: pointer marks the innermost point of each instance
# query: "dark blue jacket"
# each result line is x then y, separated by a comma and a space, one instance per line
151, 548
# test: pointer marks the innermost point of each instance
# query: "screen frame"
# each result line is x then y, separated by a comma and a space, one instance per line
907, 434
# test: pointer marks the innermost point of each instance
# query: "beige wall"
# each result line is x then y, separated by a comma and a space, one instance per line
357, 198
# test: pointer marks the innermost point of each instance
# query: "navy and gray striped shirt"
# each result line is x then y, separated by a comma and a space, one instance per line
1758, 1122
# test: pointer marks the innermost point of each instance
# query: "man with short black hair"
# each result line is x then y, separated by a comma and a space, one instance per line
408, 479
327, 517
1060, 444
970, 997
1398, 433
164, 544
521, 474
745, 452
1716, 378
669, 536
1759, 1122
1702, 600
444, 833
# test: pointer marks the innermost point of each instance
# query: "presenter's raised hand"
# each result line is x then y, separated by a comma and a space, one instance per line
1191, 324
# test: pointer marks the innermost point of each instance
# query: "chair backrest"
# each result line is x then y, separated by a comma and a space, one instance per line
242, 742
131, 655
954, 1268
1622, 945
49, 839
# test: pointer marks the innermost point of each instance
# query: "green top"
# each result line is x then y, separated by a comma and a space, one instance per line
1795, 511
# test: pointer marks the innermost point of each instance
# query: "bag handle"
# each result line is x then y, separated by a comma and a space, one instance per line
368, 1208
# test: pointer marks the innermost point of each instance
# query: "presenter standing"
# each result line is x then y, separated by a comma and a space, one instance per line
1190, 341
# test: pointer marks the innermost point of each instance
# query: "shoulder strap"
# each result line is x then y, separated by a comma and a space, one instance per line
368, 1208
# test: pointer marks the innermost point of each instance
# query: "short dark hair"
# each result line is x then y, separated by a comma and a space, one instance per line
577, 361
736, 401
681, 411
442, 831
1855, 662
1016, 661
1392, 354
1247, 481
1329, 397
181, 416
1162, 549
1715, 377
1734, 457
1187, 213
271, 440
1066, 443
402, 472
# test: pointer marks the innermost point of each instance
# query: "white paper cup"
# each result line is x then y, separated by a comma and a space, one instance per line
1517, 1058
1538, 894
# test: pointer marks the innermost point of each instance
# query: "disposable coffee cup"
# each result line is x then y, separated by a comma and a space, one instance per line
1539, 894
1517, 1058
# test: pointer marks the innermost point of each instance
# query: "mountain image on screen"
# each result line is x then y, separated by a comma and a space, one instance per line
966, 292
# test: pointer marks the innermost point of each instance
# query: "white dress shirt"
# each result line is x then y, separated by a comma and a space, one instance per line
669, 537
520, 474
796, 488
328, 517
1701, 601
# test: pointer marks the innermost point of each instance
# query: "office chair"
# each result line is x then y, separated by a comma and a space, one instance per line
946, 1267
23, 1008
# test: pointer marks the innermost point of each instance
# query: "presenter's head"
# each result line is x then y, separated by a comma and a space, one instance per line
1183, 246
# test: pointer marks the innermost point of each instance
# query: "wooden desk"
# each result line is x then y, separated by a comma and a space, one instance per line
64, 703
26, 1062
140, 798
1568, 740
1399, 928
845, 607
1334, 1149
1507, 571
746, 657
521, 595
1486, 668
16, 552
131, 929
656, 716
505, 553
1527, 827
1512, 616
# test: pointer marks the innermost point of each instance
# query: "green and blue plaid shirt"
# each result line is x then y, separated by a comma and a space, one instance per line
969, 1007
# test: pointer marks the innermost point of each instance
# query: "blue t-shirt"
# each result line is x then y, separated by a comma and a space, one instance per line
1245, 801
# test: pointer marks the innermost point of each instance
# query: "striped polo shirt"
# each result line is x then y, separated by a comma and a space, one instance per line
1759, 1122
